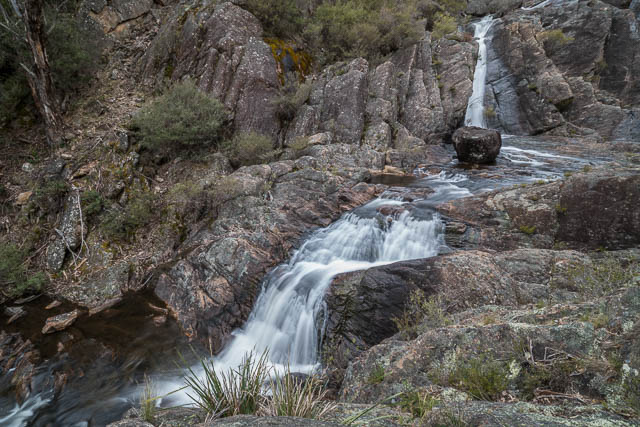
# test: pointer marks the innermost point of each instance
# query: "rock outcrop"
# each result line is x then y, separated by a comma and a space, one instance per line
476, 145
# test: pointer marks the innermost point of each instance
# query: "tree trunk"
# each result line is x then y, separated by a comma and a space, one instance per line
40, 77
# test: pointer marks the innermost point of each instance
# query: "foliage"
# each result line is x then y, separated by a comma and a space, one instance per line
604, 275
233, 392
122, 224
72, 51
555, 38
443, 25
420, 309
249, 148
376, 375
527, 229
92, 203
182, 117
417, 403
279, 18
148, 400
296, 397
631, 393
291, 98
49, 197
482, 378
14, 278
371, 29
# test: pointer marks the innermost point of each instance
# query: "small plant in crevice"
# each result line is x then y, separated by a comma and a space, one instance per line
416, 402
376, 375
527, 229
121, 224
249, 148
604, 275
15, 279
421, 310
482, 378
148, 399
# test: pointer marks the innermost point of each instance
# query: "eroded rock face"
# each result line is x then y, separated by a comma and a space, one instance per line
211, 289
60, 322
68, 235
477, 145
587, 210
566, 69
18, 361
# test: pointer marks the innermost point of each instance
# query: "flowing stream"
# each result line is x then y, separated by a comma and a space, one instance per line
289, 314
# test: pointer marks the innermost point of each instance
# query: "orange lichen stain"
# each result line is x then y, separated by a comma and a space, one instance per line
301, 61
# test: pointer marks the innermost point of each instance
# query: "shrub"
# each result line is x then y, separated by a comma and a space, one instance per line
148, 400
122, 225
482, 378
279, 18
527, 229
555, 38
92, 203
182, 117
443, 25
291, 98
604, 275
418, 310
49, 197
234, 392
419, 404
249, 148
296, 397
342, 30
14, 278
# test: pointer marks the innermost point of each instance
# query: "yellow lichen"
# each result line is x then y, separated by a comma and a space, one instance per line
281, 49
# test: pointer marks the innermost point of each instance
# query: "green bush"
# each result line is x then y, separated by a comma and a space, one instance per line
73, 57
279, 18
92, 203
14, 278
182, 117
482, 378
122, 224
49, 197
420, 309
371, 29
292, 96
249, 148
419, 404
443, 25
376, 375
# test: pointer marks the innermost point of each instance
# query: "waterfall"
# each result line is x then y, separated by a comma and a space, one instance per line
475, 108
286, 317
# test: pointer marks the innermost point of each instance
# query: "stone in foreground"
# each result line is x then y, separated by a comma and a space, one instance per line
477, 145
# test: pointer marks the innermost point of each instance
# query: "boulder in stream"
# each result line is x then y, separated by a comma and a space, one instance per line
477, 145
60, 322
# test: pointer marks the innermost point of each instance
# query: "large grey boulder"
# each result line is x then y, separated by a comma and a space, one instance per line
68, 235
477, 145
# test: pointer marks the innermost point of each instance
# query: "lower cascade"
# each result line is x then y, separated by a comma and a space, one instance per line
288, 317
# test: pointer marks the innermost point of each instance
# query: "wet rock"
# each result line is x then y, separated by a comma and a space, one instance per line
101, 287
60, 322
14, 313
477, 145
53, 304
18, 361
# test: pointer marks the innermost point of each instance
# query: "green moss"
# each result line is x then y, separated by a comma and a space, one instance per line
561, 209
15, 280
527, 229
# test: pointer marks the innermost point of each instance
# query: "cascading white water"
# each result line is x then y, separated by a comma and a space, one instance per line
475, 108
287, 317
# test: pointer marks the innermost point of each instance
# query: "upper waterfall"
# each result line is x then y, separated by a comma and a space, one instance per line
475, 115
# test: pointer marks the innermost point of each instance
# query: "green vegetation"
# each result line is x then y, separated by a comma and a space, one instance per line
182, 117
15, 280
421, 310
148, 400
555, 38
73, 57
631, 393
489, 112
482, 378
120, 224
561, 209
527, 229
443, 26
92, 203
242, 391
604, 275
293, 95
279, 18
249, 148
376, 376
296, 397
48, 198
417, 403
